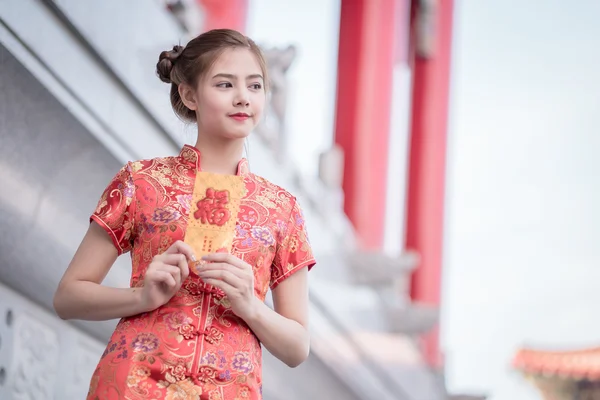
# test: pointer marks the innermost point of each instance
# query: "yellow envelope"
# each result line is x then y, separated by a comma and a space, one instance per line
214, 212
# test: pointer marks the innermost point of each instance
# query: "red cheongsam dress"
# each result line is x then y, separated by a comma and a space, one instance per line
194, 347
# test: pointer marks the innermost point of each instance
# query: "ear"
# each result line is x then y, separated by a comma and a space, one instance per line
188, 96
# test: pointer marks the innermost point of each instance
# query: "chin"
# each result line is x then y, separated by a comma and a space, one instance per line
237, 133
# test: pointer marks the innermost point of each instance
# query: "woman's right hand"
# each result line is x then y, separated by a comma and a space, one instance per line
165, 274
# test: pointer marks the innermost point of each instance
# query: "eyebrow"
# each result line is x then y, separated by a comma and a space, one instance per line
233, 77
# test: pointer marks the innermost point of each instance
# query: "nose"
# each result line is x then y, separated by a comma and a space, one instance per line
242, 98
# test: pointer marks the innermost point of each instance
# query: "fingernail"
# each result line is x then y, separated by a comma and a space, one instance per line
193, 257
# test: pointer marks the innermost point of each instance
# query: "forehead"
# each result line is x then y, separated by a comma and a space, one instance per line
238, 61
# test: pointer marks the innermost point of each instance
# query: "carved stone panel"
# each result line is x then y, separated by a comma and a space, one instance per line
41, 356
34, 367
81, 364
6, 345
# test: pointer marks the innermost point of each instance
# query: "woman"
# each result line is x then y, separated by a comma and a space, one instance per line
207, 240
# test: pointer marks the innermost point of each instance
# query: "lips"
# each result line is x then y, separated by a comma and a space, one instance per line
240, 116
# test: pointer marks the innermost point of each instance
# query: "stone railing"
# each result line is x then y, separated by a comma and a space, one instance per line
390, 278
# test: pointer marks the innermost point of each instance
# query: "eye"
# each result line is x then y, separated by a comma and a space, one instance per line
224, 85
256, 86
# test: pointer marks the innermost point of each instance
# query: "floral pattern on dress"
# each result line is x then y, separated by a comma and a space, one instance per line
193, 347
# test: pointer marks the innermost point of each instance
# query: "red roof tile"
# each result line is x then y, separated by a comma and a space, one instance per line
577, 365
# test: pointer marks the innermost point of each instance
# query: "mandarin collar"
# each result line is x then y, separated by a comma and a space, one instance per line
192, 155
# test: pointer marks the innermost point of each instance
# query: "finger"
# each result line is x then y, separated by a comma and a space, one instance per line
225, 258
178, 260
173, 259
174, 271
170, 256
183, 248
223, 276
224, 286
164, 277
183, 267
222, 267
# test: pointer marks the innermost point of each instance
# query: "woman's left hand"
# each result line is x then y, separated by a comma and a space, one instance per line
234, 277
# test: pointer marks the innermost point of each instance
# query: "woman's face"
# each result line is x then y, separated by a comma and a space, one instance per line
231, 96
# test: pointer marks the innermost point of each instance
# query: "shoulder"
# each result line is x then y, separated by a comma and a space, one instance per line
149, 164
287, 201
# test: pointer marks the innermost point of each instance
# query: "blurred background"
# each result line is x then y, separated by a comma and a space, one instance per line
444, 152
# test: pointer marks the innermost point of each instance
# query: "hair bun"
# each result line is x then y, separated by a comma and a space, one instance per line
166, 61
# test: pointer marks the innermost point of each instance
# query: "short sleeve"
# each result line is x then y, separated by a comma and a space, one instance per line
115, 213
293, 251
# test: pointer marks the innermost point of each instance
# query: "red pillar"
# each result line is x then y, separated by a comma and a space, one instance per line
365, 63
429, 123
224, 14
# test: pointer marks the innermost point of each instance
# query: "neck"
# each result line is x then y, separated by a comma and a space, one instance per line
220, 156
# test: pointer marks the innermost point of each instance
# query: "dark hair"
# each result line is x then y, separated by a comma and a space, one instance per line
189, 64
